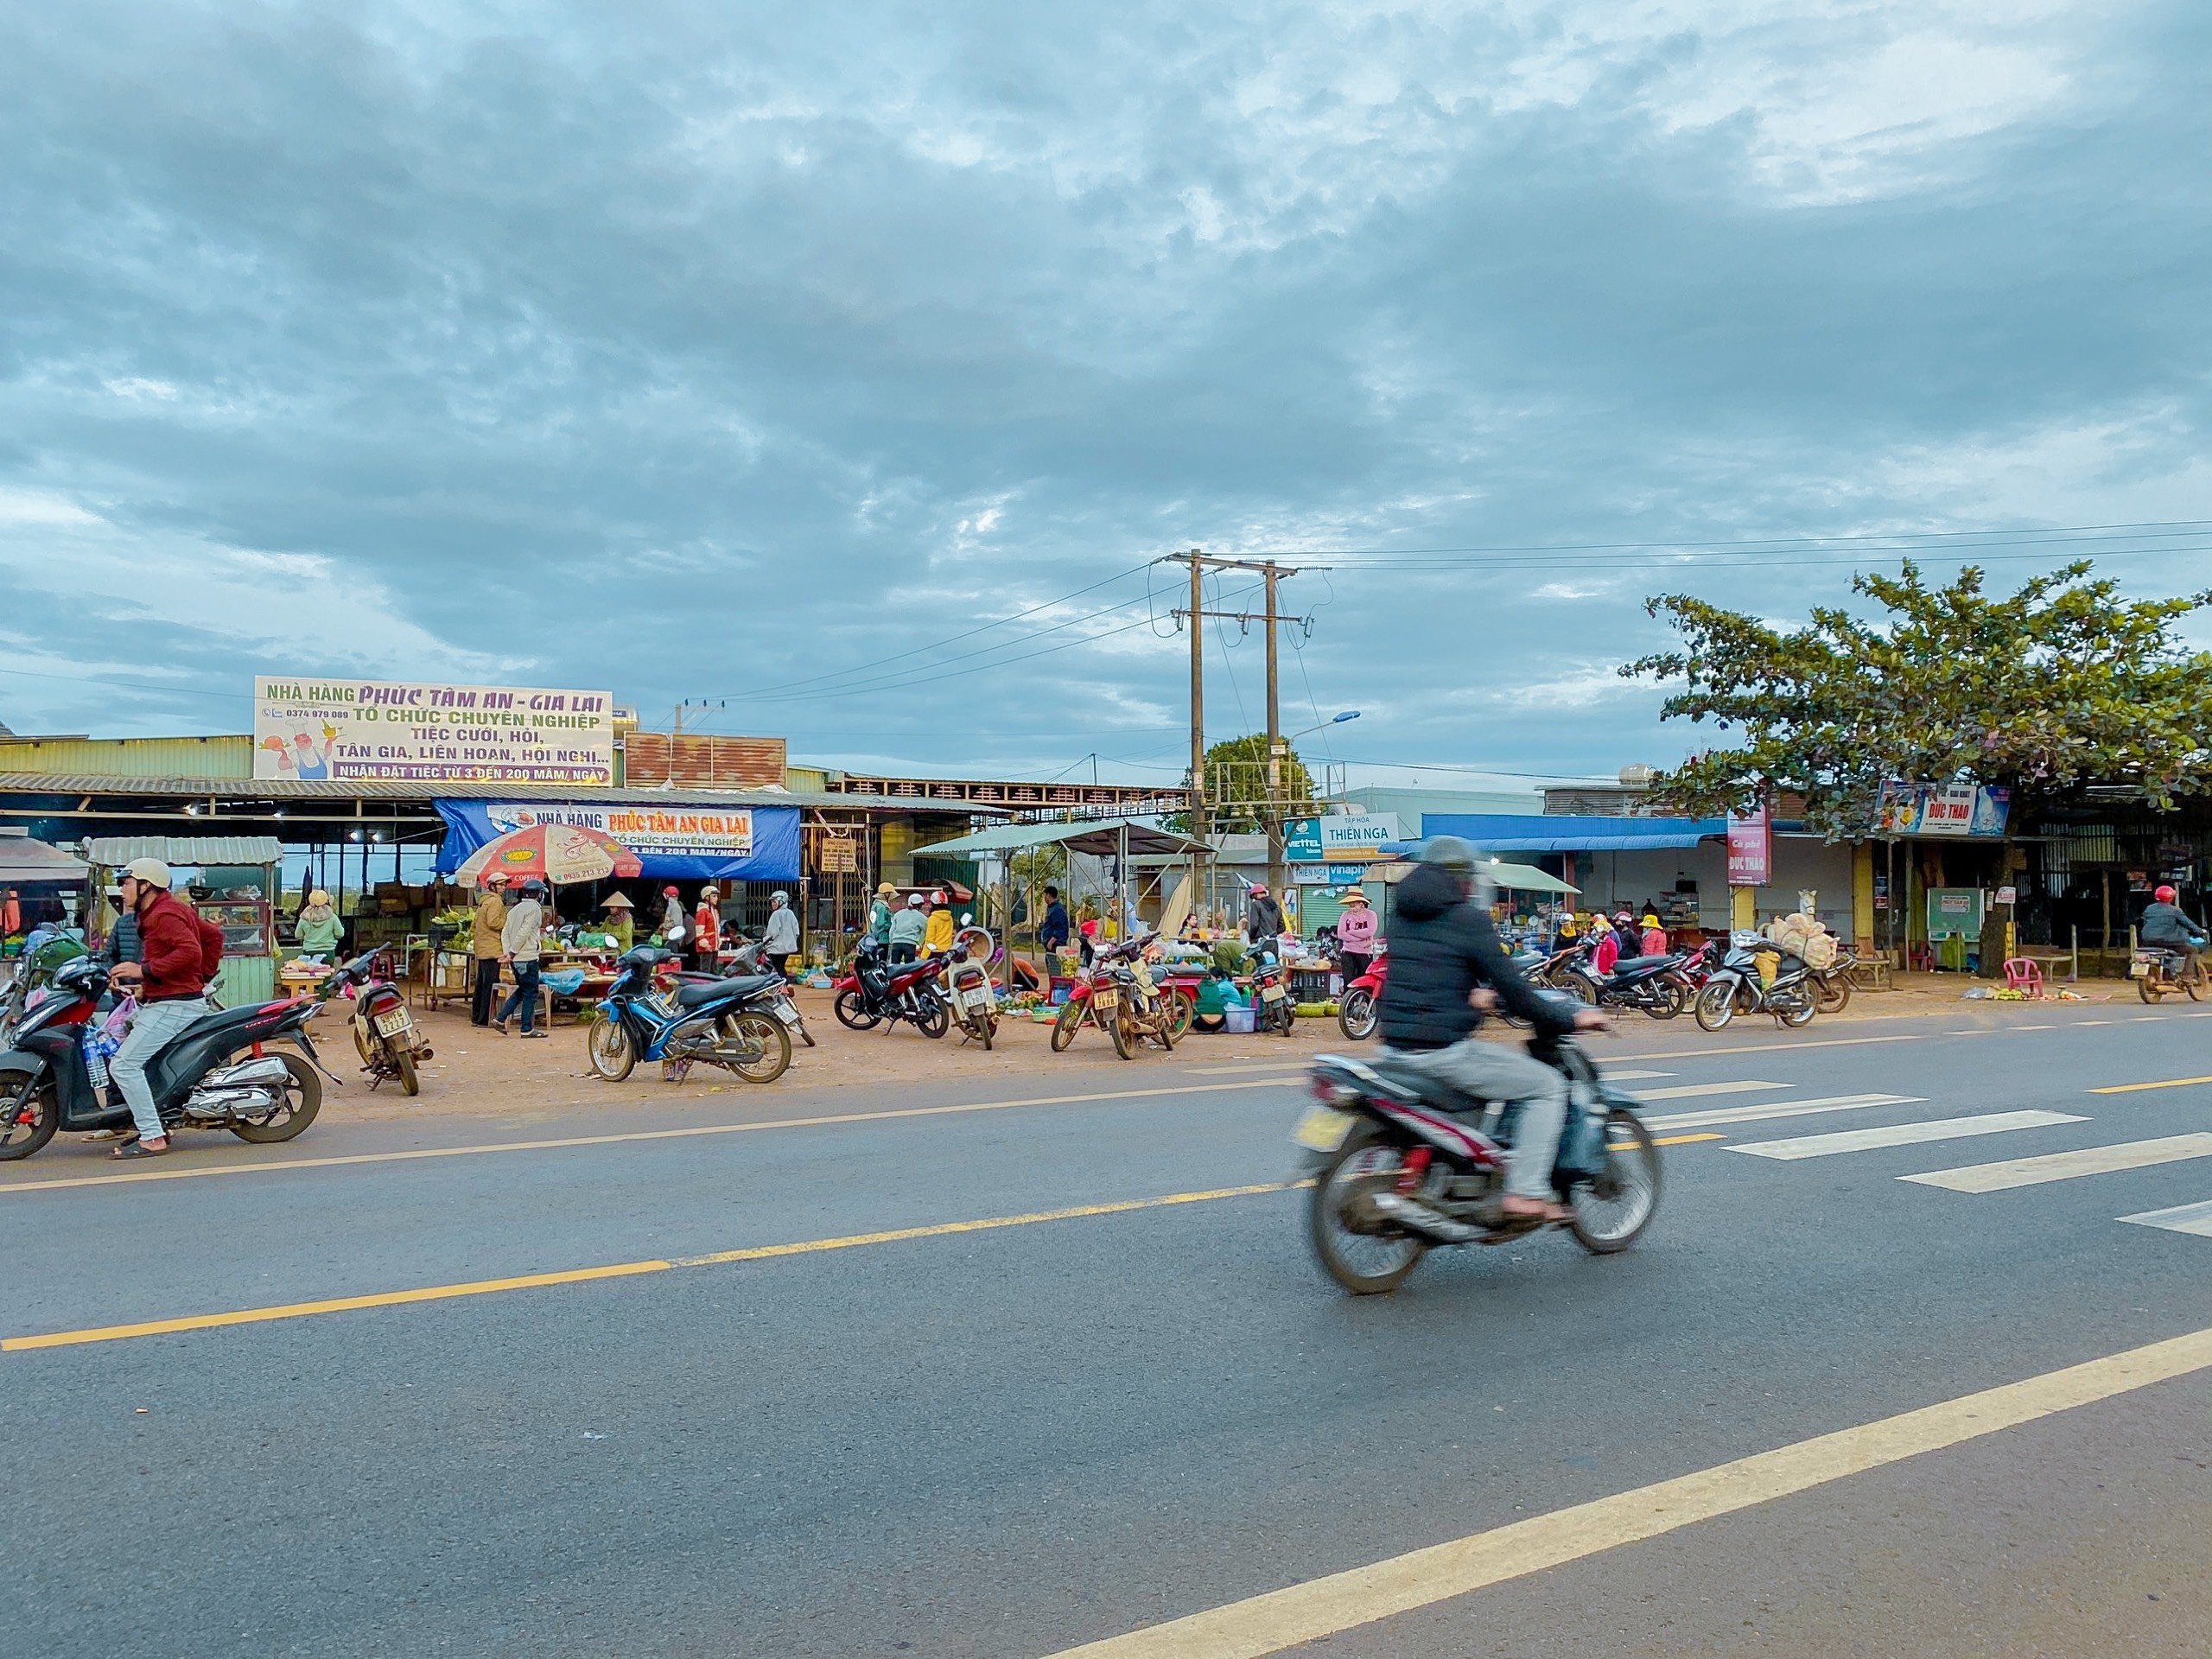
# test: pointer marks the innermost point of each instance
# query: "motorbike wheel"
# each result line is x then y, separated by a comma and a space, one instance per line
1185, 1016
302, 1100
1359, 1249
1716, 1004
986, 1030
610, 1049
1357, 1015
932, 1021
365, 1044
1835, 993
1163, 1024
402, 1064
31, 1111
2149, 992
1066, 1024
1121, 1029
765, 1033
1582, 989
1799, 1016
1612, 1211
853, 1012
2192, 980
1673, 997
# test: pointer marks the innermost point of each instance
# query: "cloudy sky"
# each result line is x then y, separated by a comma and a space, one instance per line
849, 364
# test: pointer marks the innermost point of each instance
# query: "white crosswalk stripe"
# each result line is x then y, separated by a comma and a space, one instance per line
2182, 1218
1700, 1090
1774, 1108
1903, 1134
1629, 1075
2068, 1165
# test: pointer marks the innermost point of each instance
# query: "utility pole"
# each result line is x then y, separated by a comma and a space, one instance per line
1271, 813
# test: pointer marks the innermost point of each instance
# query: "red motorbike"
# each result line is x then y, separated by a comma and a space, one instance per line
873, 993
1359, 1010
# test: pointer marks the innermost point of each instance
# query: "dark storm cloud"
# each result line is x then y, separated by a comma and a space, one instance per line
693, 354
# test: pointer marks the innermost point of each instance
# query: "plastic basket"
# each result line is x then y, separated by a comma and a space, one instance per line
1239, 1021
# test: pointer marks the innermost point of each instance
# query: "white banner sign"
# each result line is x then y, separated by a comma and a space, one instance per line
311, 729
727, 831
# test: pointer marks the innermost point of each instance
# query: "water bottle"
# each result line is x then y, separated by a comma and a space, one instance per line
95, 1060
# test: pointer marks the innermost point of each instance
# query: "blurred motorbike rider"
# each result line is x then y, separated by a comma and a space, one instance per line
1445, 967
2166, 927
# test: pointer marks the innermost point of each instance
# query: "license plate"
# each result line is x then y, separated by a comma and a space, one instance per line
1271, 992
2138, 970
787, 1013
394, 1024
1106, 999
1323, 1128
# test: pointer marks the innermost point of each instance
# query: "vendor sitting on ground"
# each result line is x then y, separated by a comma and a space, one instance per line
317, 927
620, 925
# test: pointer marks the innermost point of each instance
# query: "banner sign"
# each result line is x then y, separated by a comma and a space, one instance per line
1341, 839
1954, 809
1329, 875
747, 844
311, 729
1751, 848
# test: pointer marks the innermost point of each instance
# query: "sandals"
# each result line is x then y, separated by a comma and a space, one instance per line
140, 1149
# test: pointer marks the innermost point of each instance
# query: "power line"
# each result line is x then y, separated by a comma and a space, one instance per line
1999, 536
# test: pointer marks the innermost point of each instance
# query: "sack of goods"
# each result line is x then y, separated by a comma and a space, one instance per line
1804, 937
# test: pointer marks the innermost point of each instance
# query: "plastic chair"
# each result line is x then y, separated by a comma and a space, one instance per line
2023, 974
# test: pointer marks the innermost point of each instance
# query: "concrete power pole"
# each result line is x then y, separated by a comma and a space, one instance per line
1275, 747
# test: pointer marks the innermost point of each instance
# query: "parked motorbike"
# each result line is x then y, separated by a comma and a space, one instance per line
1096, 998
1272, 1008
1403, 1163
1833, 983
385, 1035
746, 961
1359, 1010
1148, 1012
1737, 986
731, 1023
214, 1074
969, 993
1653, 984
873, 993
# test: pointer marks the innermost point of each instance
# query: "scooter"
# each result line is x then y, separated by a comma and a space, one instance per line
1654, 984
388, 1041
747, 962
872, 992
1737, 986
1359, 1011
730, 1023
214, 1074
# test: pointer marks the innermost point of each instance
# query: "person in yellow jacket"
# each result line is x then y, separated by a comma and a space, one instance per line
936, 939
489, 920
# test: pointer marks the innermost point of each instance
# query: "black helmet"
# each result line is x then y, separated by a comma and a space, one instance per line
1451, 852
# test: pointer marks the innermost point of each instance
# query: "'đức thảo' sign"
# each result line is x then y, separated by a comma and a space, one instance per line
314, 730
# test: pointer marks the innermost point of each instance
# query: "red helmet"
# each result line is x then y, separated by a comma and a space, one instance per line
2163, 895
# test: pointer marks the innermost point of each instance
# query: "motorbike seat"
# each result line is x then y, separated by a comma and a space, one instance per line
1412, 1082
722, 990
220, 1020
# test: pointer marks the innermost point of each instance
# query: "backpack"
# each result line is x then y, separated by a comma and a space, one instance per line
211, 947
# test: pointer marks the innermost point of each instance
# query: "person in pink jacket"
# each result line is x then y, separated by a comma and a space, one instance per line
1354, 936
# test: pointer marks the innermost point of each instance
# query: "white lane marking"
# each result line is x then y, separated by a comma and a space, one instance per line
1779, 1108
2182, 1218
1903, 1134
1629, 1075
1700, 1090
2066, 1166
1227, 1068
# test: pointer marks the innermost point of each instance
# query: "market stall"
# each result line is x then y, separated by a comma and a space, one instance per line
232, 881
45, 882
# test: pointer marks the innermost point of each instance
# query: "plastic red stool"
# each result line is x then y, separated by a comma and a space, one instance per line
2023, 974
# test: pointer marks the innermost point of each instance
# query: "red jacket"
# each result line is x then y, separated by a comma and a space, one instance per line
179, 951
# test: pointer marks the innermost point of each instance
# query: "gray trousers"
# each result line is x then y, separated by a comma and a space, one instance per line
1497, 1072
150, 1027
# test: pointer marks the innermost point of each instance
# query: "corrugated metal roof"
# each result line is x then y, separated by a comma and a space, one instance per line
190, 851
133, 757
22, 859
378, 789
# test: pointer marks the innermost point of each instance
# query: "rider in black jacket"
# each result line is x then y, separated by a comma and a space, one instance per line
1446, 966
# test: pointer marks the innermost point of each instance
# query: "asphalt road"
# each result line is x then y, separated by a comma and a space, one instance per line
1020, 1439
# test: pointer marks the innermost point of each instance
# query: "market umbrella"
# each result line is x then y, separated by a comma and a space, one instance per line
557, 853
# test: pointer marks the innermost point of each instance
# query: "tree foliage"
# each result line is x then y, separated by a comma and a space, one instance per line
2061, 684
1236, 785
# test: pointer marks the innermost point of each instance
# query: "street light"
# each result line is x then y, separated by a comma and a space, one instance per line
1337, 719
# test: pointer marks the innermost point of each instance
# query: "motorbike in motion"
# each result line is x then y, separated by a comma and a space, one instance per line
1405, 1163
214, 1074
731, 1023
1783, 986
872, 993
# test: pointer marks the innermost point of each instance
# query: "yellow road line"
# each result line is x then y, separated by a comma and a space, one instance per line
946, 1230
278, 1164
1320, 1607
1686, 1140
623, 1270
2136, 1088
336, 1304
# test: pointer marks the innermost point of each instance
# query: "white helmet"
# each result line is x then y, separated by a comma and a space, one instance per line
149, 872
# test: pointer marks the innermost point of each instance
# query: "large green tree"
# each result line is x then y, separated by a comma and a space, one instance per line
2060, 683
1236, 786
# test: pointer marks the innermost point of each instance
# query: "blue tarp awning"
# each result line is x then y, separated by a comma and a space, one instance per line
680, 843
1518, 832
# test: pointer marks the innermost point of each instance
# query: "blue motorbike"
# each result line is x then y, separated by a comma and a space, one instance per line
731, 1023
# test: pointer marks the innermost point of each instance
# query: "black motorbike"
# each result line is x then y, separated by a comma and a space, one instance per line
873, 993
1404, 1162
214, 1074
1654, 985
